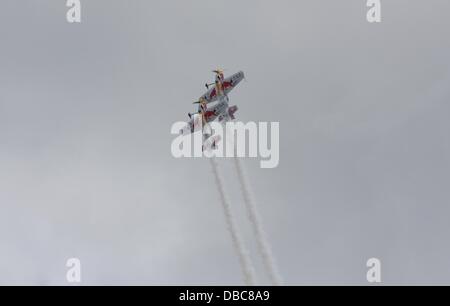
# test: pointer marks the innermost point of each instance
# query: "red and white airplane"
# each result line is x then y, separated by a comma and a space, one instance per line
217, 91
222, 86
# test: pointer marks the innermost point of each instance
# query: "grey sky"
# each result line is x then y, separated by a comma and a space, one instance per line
85, 116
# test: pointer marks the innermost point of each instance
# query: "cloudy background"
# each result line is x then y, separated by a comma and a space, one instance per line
85, 163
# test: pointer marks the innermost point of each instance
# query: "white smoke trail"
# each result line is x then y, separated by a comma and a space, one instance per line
255, 219
244, 259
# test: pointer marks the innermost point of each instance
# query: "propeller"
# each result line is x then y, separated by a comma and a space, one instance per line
200, 112
201, 109
200, 101
218, 71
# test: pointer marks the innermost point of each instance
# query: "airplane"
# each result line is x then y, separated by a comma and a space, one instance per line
221, 110
221, 86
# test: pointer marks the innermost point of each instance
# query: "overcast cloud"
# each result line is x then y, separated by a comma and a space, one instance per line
85, 117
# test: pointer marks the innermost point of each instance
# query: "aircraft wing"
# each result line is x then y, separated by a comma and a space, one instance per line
228, 85
210, 95
231, 82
